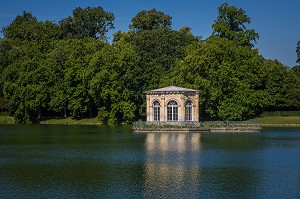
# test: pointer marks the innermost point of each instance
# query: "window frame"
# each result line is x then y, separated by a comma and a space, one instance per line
172, 111
156, 111
188, 115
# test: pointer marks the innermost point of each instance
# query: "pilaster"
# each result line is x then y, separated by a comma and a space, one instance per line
148, 107
162, 109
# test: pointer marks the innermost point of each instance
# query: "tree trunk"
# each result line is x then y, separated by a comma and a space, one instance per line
65, 111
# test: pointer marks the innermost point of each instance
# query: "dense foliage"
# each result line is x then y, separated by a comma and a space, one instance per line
230, 24
69, 69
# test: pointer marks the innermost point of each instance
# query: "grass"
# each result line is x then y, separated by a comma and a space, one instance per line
4, 114
281, 113
70, 120
276, 120
264, 120
7, 120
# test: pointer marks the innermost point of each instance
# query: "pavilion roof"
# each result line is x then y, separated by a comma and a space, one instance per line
172, 89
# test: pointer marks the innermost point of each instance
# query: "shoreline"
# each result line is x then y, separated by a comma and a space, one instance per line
98, 124
287, 121
280, 125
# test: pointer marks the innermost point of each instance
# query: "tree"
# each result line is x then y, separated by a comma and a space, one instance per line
114, 85
230, 24
275, 81
159, 49
117, 36
292, 84
26, 89
158, 46
298, 52
69, 61
50, 69
27, 27
150, 19
17, 29
89, 22
228, 75
8, 53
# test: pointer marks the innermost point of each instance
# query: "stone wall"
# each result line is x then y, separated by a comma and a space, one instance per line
180, 97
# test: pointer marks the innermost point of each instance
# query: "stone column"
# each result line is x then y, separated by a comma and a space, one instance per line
181, 108
196, 108
151, 113
162, 109
148, 107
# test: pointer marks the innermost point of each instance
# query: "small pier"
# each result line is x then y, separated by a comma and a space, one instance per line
187, 127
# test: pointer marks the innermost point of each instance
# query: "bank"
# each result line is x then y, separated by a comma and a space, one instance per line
277, 121
264, 121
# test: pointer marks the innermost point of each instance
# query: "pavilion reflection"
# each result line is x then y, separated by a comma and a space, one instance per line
172, 142
172, 163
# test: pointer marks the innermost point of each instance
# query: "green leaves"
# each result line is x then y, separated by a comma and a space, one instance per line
149, 20
159, 50
113, 85
292, 96
298, 52
50, 69
27, 27
227, 75
89, 22
230, 24
27, 93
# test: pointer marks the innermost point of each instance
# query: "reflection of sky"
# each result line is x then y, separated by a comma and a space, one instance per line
172, 164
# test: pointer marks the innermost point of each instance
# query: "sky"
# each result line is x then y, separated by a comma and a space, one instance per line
276, 21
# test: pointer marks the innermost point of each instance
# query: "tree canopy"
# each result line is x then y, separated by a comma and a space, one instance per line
26, 27
69, 68
231, 24
89, 22
298, 52
150, 19
229, 76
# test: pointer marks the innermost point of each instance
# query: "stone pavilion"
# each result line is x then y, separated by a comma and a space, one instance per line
172, 104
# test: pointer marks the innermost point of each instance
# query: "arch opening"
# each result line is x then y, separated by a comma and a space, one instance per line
172, 111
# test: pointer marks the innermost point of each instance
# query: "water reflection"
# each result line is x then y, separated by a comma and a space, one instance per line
172, 164
39, 161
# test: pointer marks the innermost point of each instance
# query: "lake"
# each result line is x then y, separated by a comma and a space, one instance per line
56, 161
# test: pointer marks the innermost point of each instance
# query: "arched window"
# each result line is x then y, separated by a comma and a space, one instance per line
172, 111
156, 111
188, 111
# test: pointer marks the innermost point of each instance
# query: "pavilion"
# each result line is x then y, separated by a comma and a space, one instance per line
172, 104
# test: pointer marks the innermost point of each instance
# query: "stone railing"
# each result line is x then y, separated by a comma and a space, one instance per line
191, 124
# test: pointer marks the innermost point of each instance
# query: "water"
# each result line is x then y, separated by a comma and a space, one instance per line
53, 161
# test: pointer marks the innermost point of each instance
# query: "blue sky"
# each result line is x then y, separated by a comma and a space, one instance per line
276, 21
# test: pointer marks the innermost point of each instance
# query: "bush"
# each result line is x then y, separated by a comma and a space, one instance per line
103, 115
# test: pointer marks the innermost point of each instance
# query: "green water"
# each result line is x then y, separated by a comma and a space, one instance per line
56, 161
